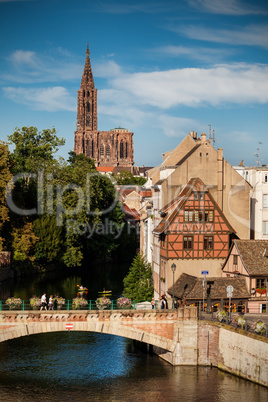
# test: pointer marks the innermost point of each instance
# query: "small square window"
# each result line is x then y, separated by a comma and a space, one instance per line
208, 242
187, 242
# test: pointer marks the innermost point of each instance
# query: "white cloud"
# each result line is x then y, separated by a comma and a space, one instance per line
203, 54
227, 7
29, 67
250, 35
240, 84
52, 99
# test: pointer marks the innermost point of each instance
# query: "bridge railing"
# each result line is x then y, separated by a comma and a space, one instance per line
68, 305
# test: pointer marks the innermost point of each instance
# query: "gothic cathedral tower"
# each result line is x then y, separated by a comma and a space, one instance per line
107, 148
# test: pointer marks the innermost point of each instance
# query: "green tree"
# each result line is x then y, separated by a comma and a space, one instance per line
49, 244
5, 176
138, 284
24, 241
33, 149
126, 178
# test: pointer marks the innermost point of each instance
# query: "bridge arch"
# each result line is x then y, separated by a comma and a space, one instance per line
156, 328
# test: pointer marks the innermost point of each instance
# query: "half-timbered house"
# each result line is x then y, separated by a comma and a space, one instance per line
193, 234
249, 259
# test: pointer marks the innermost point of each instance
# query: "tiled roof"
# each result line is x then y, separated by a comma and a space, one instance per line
131, 213
253, 254
105, 169
145, 193
191, 287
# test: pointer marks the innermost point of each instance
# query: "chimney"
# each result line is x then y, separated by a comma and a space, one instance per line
203, 138
193, 134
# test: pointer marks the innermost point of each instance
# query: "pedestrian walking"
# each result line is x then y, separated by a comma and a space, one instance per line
153, 303
43, 302
50, 302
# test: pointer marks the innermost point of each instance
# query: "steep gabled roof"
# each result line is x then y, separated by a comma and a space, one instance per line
253, 254
172, 208
191, 287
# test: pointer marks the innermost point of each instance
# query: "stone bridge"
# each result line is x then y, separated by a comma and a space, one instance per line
172, 333
176, 335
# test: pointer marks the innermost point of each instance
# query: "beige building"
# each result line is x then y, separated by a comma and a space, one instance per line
258, 178
195, 157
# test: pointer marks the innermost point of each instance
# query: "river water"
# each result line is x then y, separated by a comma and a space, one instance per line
82, 366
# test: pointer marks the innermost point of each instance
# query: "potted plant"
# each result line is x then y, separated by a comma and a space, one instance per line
221, 315
124, 302
261, 291
35, 302
59, 301
240, 321
103, 302
79, 303
13, 302
259, 327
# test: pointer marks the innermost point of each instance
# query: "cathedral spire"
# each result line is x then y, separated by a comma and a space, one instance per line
87, 78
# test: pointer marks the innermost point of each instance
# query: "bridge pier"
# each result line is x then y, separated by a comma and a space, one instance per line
184, 350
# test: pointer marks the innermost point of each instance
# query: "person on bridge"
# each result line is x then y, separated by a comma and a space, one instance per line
50, 303
43, 302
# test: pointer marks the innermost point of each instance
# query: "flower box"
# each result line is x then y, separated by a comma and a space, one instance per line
221, 316
259, 327
124, 303
103, 302
35, 302
14, 303
79, 303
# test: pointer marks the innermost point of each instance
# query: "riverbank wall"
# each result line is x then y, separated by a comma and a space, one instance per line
214, 344
233, 350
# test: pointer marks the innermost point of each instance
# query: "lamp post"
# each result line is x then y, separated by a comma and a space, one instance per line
173, 268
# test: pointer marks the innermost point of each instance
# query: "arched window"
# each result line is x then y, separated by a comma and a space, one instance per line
102, 150
121, 150
88, 107
88, 120
108, 150
126, 149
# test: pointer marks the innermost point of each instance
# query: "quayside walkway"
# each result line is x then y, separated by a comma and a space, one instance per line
175, 335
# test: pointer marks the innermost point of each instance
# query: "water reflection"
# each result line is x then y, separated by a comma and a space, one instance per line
64, 283
76, 366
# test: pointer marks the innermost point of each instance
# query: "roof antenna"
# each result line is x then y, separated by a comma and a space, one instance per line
258, 154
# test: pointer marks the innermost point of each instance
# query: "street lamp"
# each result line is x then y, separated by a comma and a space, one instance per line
173, 268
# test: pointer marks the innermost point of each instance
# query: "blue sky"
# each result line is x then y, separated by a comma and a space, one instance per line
162, 69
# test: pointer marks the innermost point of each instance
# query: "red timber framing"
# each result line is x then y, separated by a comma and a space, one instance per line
194, 226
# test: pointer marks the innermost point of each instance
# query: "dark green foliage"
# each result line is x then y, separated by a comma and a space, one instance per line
77, 216
49, 235
138, 284
126, 178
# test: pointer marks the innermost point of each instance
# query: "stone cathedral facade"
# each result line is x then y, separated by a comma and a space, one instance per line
107, 148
